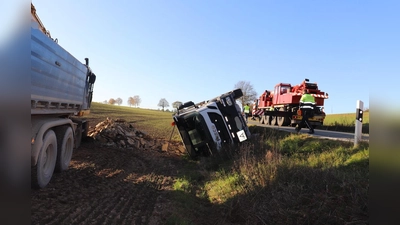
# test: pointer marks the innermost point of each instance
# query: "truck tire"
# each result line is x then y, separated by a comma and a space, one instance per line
43, 171
267, 120
65, 149
192, 154
273, 120
262, 119
237, 93
283, 120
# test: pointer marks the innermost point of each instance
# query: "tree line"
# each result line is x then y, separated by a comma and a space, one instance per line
132, 101
249, 95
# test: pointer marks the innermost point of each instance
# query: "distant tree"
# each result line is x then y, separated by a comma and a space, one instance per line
163, 103
137, 100
131, 101
105, 102
249, 94
176, 104
118, 101
111, 101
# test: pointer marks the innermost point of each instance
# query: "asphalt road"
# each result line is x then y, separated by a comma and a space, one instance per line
326, 134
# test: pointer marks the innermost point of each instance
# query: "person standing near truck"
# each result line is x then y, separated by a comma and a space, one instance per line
307, 104
246, 110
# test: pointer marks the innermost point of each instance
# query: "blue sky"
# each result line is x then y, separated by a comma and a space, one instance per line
195, 50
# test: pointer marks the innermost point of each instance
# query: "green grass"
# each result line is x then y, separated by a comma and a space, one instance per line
345, 122
274, 178
344, 119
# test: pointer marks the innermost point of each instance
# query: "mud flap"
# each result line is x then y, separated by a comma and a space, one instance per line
81, 131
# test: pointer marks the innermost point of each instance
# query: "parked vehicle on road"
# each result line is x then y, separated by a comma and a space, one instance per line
280, 106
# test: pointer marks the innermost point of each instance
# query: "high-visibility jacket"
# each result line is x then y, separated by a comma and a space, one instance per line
307, 101
246, 109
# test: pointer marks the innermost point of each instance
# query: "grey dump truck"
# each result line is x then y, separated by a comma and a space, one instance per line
209, 126
61, 92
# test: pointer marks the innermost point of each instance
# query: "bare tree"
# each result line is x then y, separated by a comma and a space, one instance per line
176, 104
131, 101
163, 103
249, 94
111, 101
137, 100
118, 101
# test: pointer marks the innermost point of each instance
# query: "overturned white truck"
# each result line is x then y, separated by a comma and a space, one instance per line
210, 125
61, 92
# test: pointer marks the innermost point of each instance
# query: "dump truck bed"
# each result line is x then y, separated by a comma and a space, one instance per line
58, 80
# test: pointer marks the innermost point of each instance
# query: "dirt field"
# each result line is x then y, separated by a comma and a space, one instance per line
110, 186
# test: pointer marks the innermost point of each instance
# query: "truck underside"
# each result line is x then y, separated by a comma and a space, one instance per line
289, 117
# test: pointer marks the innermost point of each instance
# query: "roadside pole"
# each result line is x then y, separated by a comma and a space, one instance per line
359, 120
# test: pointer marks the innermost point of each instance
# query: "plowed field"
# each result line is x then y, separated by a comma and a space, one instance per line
109, 186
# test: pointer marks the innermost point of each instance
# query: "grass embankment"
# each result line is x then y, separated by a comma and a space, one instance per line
345, 122
280, 178
274, 178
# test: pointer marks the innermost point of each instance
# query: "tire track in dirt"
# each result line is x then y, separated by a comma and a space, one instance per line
106, 186
114, 189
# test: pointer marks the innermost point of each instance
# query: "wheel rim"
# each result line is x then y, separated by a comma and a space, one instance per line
47, 160
67, 154
273, 120
47, 164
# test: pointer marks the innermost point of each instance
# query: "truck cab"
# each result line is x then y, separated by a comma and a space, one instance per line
210, 125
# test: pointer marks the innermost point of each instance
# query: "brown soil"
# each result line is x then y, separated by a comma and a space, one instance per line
110, 186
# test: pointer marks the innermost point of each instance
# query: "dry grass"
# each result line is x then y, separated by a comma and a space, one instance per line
281, 178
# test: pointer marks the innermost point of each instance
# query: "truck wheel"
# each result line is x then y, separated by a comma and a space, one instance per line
283, 120
273, 120
237, 93
193, 154
65, 149
43, 171
262, 119
267, 120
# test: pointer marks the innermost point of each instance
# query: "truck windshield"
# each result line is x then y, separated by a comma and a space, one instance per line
193, 125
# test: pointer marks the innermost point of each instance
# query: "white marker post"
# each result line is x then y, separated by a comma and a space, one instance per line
359, 119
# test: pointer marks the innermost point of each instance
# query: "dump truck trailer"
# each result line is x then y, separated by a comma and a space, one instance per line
61, 93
